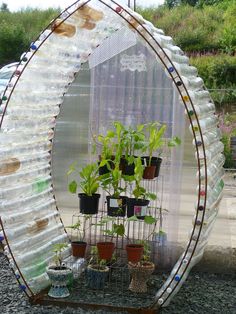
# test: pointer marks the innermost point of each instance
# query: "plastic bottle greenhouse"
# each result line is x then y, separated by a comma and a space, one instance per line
94, 132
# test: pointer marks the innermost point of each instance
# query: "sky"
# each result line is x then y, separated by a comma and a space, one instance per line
15, 5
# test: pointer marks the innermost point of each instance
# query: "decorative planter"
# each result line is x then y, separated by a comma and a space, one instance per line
96, 276
140, 273
137, 207
105, 250
116, 206
78, 248
134, 252
156, 161
89, 204
59, 277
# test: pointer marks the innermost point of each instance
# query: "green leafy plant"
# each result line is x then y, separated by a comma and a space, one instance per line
80, 226
108, 145
133, 140
58, 248
89, 179
113, 179
94, 260
155, 139
139, 191
115, 230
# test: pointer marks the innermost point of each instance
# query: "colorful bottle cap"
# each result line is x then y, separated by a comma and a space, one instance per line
177, 278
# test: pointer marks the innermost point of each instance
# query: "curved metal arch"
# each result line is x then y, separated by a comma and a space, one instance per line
167, 62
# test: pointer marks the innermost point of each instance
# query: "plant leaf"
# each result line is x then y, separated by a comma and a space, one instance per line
150, 220
73, 187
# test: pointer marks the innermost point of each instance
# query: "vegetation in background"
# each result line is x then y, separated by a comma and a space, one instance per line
198, 29
19, 29
205, 29
218, 72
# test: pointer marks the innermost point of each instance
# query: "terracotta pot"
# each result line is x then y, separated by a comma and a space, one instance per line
105, 250
134, 252
149, 172
156, 161
59, 278
140, 274
78, 248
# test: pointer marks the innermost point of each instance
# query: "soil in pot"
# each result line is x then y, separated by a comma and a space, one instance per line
59, 277
116, 207
105, 250
96, 276
140, 273
134, 252
89, 204
137, 207
78, 248
156, 161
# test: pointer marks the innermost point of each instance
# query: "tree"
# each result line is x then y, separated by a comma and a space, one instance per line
194, 3
4, 7
172, 3
12, 42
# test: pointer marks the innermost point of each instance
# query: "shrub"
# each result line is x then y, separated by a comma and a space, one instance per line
218, 72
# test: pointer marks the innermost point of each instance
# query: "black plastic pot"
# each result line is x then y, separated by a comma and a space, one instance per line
116, 206
103, 170
156, 161
127, 169
89, 204
137, 207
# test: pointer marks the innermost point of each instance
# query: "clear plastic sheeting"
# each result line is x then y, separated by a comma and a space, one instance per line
142, 78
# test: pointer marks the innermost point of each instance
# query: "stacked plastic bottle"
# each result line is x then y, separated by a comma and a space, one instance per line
33, 98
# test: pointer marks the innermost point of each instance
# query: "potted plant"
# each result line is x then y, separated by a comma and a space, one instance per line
132, 140
111, 183
106, 248
155, 134
89, 199
59, 274
141, 271
97, 271
160, 237
135, 250
138, 205
79, 246
107, 152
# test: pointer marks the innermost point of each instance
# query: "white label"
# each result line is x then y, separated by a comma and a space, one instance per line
133, 63
115, 202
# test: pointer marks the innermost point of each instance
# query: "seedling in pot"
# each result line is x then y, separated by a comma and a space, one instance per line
89, 184
58, 248
79, 246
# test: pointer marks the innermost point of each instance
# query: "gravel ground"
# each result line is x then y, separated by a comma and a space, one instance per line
202, 294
